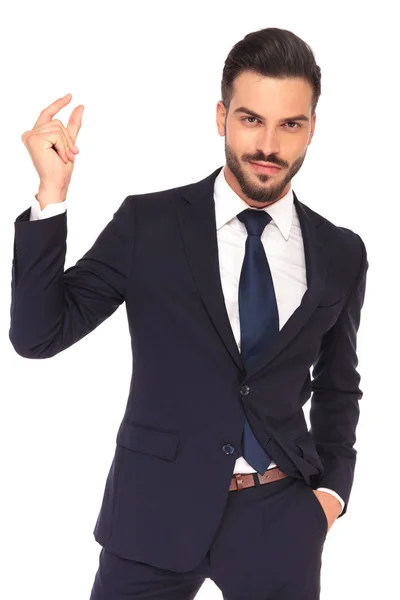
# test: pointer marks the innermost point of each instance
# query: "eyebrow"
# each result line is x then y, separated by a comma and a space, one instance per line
244, 109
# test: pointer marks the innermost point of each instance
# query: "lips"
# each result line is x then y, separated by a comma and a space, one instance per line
265, 164
269, 170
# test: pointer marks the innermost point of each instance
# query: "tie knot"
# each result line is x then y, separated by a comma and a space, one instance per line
255, 221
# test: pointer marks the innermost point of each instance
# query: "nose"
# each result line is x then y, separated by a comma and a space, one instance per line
268, 142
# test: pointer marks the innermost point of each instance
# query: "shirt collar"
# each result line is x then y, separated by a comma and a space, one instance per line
228, 204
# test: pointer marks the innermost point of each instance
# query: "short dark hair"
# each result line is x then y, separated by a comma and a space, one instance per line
271, 52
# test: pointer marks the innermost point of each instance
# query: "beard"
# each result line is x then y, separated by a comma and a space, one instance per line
260, 193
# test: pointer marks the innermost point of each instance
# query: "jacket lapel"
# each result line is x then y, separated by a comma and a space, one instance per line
196, 217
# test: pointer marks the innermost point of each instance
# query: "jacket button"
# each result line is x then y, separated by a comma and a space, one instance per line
228, 449
244, 390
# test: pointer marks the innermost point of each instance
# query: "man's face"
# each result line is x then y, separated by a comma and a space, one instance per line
273, 136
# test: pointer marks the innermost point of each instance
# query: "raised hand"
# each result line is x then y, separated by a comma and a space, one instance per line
52, 149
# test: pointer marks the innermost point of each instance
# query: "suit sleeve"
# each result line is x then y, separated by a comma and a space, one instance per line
51, 309
334, 411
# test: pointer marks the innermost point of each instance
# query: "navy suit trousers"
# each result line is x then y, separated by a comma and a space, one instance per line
268, 547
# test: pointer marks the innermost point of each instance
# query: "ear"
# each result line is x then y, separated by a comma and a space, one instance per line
221, 117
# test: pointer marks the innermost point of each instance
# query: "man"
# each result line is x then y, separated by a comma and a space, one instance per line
234, 289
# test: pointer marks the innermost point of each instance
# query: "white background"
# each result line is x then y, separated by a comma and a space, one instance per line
149, 78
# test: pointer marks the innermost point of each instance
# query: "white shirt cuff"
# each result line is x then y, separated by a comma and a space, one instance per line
57, 208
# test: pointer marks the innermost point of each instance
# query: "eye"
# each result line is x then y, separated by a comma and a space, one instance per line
293, 123
244, 119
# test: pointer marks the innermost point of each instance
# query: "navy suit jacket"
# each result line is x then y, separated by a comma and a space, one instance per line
180, 435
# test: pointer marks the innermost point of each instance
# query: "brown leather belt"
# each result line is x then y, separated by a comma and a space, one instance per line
239, 481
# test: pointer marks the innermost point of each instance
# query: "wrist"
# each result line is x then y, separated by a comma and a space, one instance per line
48, 195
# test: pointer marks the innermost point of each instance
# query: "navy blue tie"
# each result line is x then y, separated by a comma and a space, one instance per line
258, 313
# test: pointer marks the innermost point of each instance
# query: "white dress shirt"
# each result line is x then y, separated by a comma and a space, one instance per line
283, 244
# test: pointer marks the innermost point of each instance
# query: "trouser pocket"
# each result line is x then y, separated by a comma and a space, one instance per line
317, 509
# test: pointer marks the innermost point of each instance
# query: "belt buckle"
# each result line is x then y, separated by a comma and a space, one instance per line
239, 481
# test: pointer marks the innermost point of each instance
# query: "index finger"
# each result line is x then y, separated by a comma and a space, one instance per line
75, 122
48, 113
